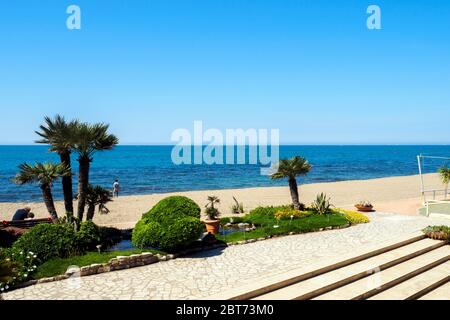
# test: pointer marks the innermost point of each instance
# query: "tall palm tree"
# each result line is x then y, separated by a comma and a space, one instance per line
59, 134
89, 139
97, 196
45, 174
444, 173
291, 168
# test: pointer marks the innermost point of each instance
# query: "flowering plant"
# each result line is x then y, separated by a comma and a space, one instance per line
16, 267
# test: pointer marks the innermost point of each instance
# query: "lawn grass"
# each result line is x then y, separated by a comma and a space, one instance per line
300, 225
59, 266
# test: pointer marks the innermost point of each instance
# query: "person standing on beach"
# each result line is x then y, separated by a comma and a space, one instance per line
116, 188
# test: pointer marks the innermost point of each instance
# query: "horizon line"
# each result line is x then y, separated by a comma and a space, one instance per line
281, 144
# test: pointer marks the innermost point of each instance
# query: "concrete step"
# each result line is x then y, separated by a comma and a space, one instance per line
441, 293
381, 281
323, 283
417, 284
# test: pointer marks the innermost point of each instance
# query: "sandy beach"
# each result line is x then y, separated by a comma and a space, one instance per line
394, 194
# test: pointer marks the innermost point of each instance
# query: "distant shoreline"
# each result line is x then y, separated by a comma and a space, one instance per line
300, 181
392, 194
146, 170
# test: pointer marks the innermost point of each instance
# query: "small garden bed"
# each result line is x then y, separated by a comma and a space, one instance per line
282, 220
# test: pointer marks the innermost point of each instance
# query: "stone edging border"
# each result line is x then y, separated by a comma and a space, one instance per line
146, 258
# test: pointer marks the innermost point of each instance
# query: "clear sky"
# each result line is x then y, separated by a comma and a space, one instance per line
309, 68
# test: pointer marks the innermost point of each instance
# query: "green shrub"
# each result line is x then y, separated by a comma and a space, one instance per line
146, 233
88, 236
180, 232
322, 204
437, 232
264, 215
173, 207
49, 241
172, 223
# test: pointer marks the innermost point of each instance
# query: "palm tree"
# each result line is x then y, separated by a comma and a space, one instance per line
212, 201
291, 168
211, 211
45, 174
89, 139
444, 173
97, 196
59, 135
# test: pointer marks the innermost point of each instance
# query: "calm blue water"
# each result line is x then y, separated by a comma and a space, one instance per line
149, 169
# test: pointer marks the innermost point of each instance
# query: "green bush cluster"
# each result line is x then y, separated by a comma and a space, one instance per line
58, 240
438, 232
88, 236
172, 223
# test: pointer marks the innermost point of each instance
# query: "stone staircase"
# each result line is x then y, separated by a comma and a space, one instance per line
414, 268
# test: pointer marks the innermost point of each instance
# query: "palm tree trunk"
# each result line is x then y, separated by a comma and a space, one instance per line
48, 200
294, 193
83, 182
90, 212
67, 183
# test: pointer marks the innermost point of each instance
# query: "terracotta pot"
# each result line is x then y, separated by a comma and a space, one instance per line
212, 226
364, 209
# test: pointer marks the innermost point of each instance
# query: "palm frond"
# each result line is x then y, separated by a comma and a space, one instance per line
290, 168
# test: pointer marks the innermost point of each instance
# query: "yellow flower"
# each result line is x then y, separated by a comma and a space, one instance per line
354, 217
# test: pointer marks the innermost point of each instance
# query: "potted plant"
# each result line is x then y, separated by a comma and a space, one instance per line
212, 222
364, 206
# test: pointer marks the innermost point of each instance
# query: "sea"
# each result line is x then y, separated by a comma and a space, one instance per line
150, 169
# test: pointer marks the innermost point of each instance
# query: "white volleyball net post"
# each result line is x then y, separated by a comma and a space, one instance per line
434, 196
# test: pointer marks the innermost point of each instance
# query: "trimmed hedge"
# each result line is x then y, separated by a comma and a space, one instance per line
172, 223
173, 207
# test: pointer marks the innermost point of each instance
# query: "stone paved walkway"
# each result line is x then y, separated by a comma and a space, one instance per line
211, 272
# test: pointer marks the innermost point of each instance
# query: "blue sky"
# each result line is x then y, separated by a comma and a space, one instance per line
309, 68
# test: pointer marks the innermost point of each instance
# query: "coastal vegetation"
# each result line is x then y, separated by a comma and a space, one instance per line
290, 169
97, 196
59, 135
89, 139
281, 220
84, 139
211, 211
237, 207
438, 232
45, 174
444, 174
173, 223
